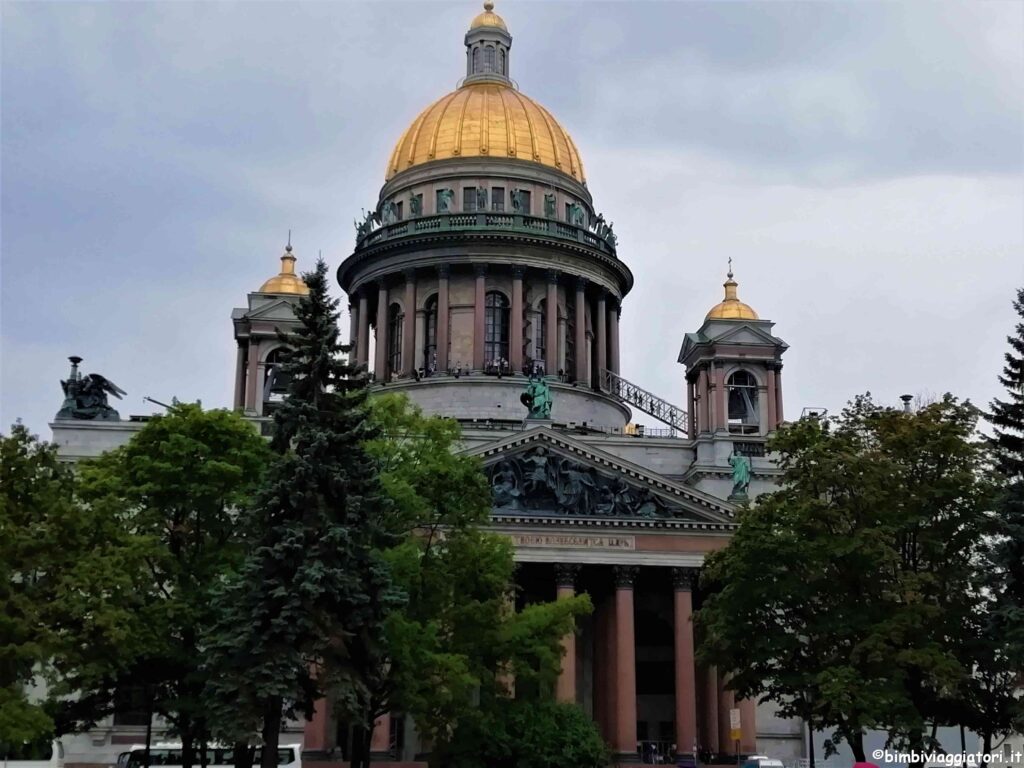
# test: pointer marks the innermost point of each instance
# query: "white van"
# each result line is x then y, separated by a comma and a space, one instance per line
45, 753
168, 755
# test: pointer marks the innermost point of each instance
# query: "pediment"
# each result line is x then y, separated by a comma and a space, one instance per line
543, 473
274, 310
747, 334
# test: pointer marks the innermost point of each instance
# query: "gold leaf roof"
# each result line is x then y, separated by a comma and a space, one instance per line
486, 119
731, 308
286, 281
488, 19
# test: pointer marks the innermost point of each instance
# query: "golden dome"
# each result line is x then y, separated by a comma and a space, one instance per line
486, 119
488, 18
287, 281
731, 308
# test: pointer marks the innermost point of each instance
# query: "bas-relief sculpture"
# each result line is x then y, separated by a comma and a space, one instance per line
540, 481
537, 398
85, 397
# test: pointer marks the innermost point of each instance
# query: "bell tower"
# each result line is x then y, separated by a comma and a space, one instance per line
271, 309
733, 384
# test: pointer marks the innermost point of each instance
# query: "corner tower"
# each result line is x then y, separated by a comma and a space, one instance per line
270, 309
484, 259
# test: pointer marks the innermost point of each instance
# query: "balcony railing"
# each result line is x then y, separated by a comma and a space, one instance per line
487, 222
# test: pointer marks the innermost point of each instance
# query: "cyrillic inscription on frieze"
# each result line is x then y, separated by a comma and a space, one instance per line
572, 540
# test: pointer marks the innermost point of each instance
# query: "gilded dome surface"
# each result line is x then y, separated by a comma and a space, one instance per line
731, 308
286, 281
486, 119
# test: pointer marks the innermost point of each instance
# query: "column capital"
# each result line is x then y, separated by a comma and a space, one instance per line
480, 270
552, 275
581, 283
409, 274
685, 579
444, 270
566, 574
381, 284
625, 576
518, 271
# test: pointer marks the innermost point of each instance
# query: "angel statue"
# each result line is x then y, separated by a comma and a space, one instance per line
85, 397
740, 476
537, 398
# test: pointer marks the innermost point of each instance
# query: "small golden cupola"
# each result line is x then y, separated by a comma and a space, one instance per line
488, 18
286, 281
731, 308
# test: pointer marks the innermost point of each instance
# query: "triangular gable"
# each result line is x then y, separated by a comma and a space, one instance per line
541, 472
748, 334
282, 309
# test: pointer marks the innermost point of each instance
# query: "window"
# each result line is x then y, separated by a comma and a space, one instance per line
395, 322
497, 198
476, 60
541, 335
570, 336
489, 58
568, 213
275, 383
430, 334
130, 705
744, 417
496, 312
501, 55
469, 199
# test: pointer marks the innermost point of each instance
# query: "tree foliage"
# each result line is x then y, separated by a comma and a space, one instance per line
458, 641
844, 596
306, 610
174, 491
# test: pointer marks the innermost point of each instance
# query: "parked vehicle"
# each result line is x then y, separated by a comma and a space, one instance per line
168, 755
44, 753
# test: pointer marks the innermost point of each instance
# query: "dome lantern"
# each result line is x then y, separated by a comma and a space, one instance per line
286, 281
731, 308
487, 48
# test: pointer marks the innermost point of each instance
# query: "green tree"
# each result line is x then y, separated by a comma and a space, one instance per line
306, 611
843, 596
458, 641
175, 489
68, 596
999, 623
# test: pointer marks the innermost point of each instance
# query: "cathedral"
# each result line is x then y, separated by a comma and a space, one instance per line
487, 286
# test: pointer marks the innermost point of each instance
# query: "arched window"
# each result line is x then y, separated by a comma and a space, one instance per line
540, 337
476, 60
496, 313
395, 322
570, 336
744, 416
501, 58
489, 58
430, 334
275, 383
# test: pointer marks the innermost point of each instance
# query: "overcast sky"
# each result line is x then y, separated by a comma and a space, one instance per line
860, 162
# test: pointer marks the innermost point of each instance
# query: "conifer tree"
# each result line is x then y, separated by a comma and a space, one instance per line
1005, 555
307, 609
